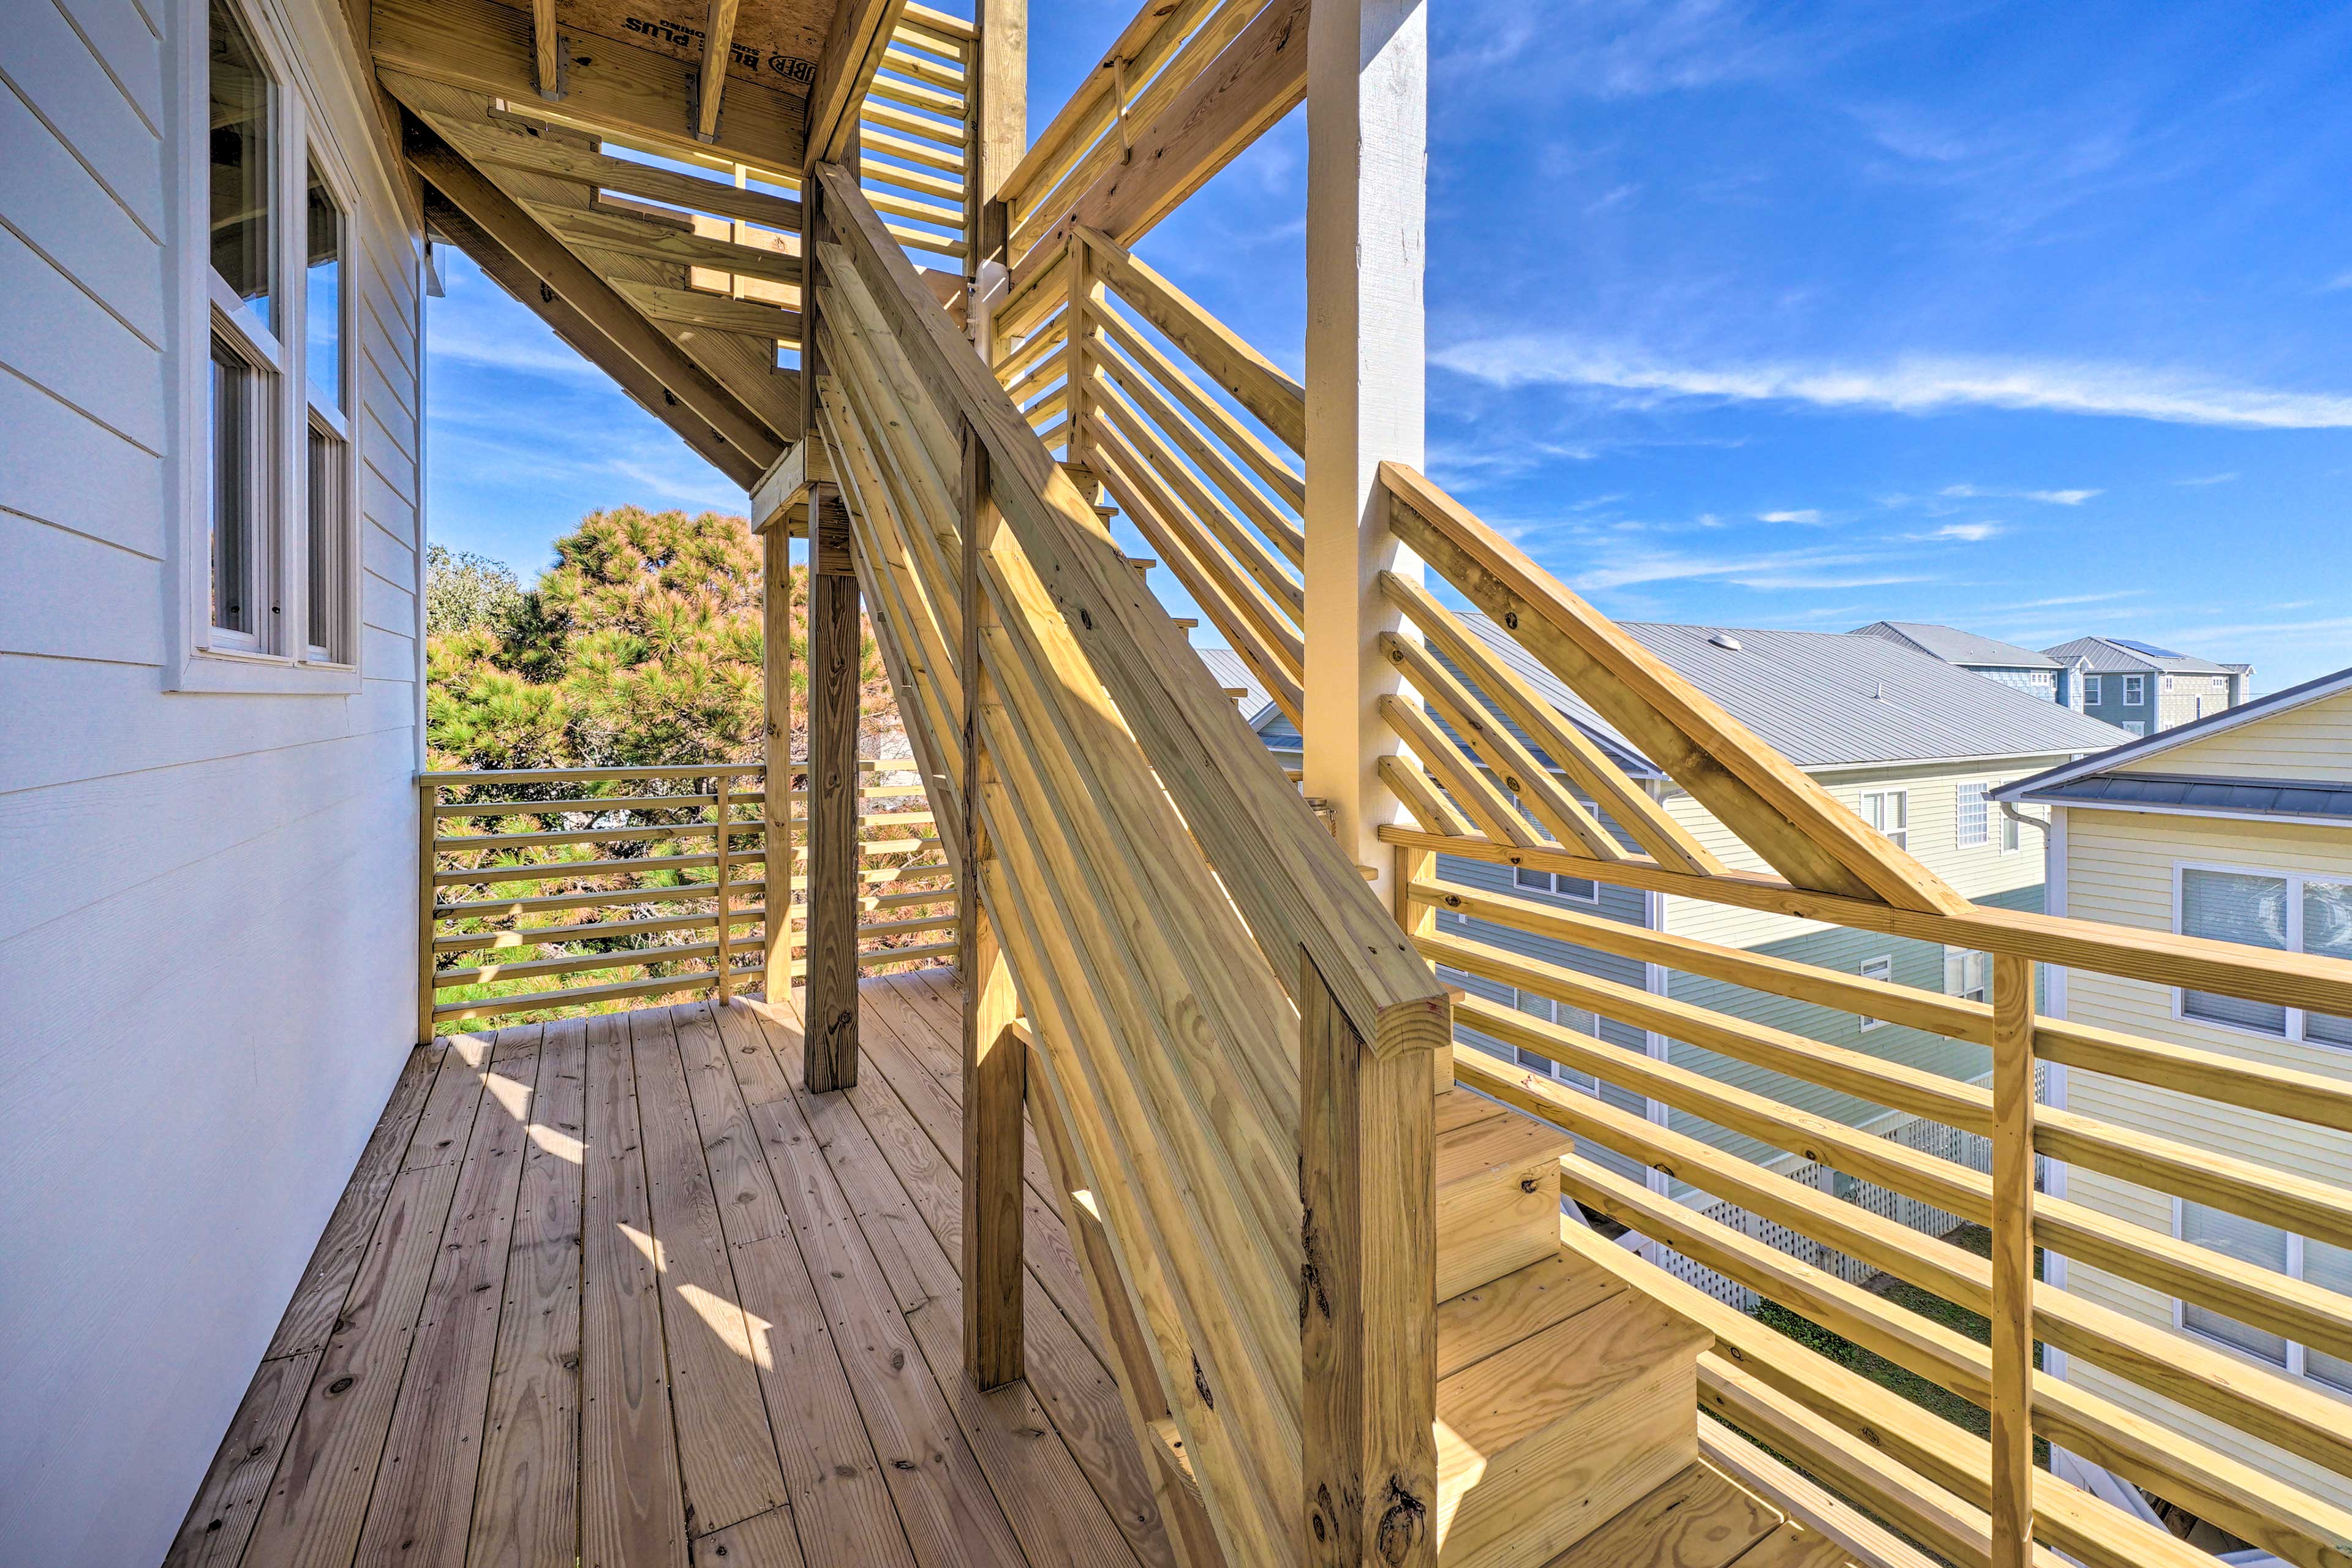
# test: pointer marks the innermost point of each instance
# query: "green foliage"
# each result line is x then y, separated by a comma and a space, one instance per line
463, 590
640, 646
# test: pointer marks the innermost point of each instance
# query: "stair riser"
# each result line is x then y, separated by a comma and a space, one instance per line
1486, 1229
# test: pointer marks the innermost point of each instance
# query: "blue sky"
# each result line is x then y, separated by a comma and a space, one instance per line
2037, 321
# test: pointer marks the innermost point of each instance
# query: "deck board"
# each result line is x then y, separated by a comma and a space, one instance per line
620, 1290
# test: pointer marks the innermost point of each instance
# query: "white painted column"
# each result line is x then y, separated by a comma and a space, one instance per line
1367, 242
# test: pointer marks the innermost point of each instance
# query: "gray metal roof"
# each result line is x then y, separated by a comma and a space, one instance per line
2314, 798
2045, 784
1231, 670
1827, 699
2105, 656
1954, 646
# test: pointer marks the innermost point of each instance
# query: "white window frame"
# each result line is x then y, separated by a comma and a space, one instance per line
2092, 687
335, 419
2296, 1360
2167, 683
1876, 816
1550, 887
1882, 969
276, 658
2296, 1016
1984, 804
2135, 691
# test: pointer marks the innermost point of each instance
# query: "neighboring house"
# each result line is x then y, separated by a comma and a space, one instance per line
2144, 689
209, 489
2238, 826
1233, 673
1915, 746
2035, 674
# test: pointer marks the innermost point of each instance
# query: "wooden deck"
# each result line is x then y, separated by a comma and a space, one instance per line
619, 1289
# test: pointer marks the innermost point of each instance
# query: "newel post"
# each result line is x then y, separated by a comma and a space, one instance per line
1368, 1312
830, 1014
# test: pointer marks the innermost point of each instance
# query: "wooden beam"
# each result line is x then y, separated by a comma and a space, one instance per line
604, 227
595, 301
714, 312
784, 488
1367, 1333
1259, 77
568, 323
545, 58
1366, 240
718, 39
617, 89
853, 52
996, 129
2012, 1261
995, 1059
832, 1004
776, 804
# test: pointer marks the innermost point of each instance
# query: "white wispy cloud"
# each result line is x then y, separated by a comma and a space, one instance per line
2341, 280
1778, 569
2054, 498
1965, 533
2209, 478
1803, 514
1910, 385
2056, 600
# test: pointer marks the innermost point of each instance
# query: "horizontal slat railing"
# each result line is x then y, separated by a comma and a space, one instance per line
1484, 798
513, 907
1178, 926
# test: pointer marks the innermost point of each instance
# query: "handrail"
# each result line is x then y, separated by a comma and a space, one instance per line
1479, 804
577, 933
1227, 1024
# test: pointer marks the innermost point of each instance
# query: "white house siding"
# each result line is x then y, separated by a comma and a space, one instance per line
2120, 868
2177, 698
208, 941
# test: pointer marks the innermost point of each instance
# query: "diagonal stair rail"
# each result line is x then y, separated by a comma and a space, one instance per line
1233, 1036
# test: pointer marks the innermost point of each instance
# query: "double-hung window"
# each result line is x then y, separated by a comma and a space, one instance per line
2135, 691
272, 541
1967, 975
2091, 690
1559, 884
1574, 1019
1889, 811
248, 363
2266, 1246
2286, 911
1972, 812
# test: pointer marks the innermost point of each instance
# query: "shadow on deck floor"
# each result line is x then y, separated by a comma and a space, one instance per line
618, 1288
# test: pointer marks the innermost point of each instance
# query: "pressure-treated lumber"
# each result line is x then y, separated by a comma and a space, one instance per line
1150, 36
1780, 813
597, 303
488, 47
1369, 1335
1282, 870
853, 49
831, 1036
714, 312
2012, 1261
610, 227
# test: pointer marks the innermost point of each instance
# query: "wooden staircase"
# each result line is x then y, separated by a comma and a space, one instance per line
1564, 1397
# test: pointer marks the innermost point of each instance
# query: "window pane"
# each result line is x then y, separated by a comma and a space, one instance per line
325, 600
323, 295
1536, 881
1974, 819
2232, 907
2248, 1241
232, 490
2330, 1268
2328, 928
240, 163
1577, 887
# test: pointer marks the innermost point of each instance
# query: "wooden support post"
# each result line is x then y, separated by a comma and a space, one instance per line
428, 795
776, 804
1368, 1337
2012, 1261
1084, 288
830, 1008
720, 811
996, 1061
996, 131
1367, 113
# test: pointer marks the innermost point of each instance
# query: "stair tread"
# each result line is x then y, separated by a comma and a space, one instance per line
1699, 1518
1476, 1147
1518, 1391
1495, 1316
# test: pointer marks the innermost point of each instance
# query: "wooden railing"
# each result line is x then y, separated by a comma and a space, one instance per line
1230, 1035
914, 130
530, 878
1509, 783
